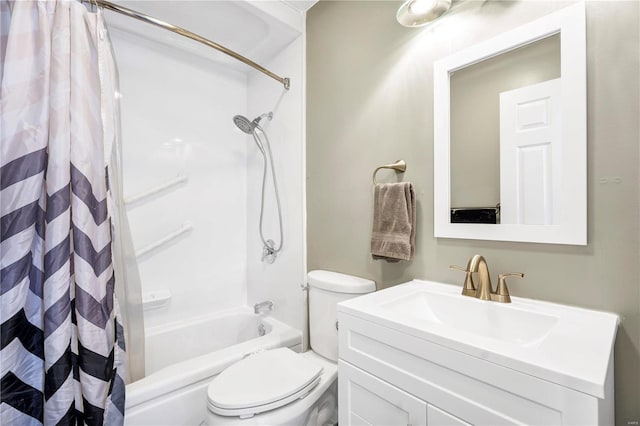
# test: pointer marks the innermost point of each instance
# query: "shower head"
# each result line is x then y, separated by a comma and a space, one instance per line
247, 126
244, 124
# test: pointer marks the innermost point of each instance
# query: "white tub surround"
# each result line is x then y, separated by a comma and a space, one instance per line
192, 181
180, 145
280, 281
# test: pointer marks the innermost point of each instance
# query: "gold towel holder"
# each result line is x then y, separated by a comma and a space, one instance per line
399, 166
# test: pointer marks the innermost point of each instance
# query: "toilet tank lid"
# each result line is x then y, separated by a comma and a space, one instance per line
340, 283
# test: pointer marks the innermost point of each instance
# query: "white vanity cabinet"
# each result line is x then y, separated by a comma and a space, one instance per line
395, 371
371, 401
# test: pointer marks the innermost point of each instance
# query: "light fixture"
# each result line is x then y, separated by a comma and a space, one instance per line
416, 13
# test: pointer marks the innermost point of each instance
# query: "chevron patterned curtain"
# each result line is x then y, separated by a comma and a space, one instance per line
62, 348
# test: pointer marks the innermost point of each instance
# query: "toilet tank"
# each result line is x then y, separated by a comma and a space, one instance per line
326, 289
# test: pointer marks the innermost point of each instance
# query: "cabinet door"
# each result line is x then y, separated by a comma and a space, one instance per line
366, 400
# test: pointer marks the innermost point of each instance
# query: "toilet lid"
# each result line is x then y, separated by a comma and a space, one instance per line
261, 382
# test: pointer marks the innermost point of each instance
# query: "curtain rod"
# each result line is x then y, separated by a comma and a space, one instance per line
186, 33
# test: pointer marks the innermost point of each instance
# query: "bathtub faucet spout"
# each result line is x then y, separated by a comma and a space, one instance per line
263, 307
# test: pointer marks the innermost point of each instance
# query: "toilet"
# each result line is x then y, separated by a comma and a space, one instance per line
280, 386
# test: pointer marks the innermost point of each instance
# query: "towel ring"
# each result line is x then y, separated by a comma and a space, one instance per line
399, 166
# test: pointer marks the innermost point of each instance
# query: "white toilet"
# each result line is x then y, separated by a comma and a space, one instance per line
282, 387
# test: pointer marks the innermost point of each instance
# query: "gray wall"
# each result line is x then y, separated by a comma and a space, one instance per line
475, 116
370, 102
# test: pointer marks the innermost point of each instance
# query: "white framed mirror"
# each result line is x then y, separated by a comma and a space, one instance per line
510, 135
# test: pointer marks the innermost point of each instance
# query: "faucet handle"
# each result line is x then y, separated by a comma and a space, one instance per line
469, 288
502, 292
460, 268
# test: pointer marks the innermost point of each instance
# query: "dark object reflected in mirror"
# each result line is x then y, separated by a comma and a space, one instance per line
490, 215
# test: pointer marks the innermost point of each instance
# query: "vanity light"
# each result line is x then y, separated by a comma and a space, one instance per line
416, 13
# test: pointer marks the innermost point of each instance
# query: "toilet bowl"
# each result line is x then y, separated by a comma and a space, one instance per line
281, 387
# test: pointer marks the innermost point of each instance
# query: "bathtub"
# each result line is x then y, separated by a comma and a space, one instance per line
181, 360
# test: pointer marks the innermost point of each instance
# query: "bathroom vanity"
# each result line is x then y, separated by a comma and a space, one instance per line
421, 353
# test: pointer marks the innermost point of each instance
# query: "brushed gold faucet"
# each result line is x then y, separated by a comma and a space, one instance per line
484, 290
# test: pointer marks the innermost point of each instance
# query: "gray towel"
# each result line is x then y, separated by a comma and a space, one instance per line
394, 222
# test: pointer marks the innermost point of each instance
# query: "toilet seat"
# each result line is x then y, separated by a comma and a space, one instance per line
262, 382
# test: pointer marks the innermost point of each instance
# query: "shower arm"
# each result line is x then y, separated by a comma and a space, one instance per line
188, 34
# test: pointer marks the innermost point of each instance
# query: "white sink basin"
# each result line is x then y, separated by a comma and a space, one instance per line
566, 345
507, 322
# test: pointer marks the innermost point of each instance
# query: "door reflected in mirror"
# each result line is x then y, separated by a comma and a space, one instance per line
486, 97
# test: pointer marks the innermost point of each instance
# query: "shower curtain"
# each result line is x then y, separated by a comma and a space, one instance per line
62, 357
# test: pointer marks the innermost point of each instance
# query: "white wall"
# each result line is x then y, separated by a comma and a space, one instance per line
177, 111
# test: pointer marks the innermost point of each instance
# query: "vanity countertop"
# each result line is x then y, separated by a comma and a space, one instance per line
567, 345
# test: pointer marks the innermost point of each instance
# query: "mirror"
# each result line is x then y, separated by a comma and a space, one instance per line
478, 108
510, 135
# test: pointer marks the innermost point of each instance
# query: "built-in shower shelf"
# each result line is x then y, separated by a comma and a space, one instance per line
178, 180
185, 228
155, 299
